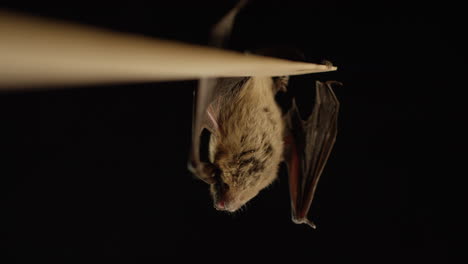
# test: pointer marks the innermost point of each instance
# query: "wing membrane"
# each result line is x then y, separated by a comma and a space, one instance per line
310, 144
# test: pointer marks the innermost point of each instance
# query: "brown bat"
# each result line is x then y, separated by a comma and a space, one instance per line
250, 137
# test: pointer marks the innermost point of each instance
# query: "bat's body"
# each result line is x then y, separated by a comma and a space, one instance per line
246, 144
250, 137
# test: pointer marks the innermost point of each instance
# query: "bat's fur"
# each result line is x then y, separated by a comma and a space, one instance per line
247, 130
247, 147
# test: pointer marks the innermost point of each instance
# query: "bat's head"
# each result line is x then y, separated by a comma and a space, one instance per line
242, 171
246, 146
232, 191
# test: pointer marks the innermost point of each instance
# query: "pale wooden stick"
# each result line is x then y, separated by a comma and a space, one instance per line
38, 52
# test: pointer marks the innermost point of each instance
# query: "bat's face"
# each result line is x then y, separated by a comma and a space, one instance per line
240, 176
248, 147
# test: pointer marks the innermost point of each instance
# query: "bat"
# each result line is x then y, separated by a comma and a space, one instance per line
249, 136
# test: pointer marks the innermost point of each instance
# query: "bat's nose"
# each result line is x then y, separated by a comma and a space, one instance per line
220, 205
223, 205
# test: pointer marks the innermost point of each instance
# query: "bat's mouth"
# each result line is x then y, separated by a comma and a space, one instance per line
223, 199
220, 205
220, 200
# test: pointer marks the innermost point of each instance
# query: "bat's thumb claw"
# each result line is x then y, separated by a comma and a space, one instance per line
191, 167
311, 224
304, 221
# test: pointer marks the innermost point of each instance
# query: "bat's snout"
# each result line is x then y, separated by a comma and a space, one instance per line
222, 198
225, 204
219, 205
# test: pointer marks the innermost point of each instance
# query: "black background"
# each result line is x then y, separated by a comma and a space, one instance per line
103, 169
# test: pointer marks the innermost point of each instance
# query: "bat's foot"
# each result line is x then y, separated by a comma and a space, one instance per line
327, 63
281, 84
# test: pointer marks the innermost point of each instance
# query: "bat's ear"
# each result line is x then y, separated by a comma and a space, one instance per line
304, 221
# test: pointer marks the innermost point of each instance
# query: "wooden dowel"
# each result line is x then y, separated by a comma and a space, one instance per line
37, 52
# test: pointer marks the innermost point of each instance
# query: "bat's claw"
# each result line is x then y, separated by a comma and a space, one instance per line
327, 63
281, 83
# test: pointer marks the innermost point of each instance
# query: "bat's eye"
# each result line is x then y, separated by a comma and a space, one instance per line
216, 173
220, 184
221, 187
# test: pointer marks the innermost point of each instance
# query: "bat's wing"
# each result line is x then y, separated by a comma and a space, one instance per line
203, 118
308, 146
